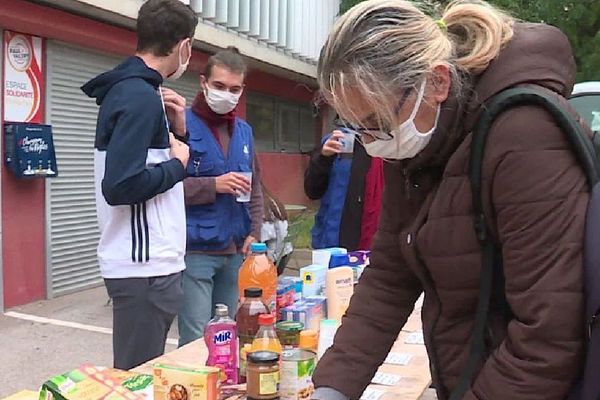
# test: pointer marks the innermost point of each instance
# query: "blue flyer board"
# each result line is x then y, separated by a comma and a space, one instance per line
29, 150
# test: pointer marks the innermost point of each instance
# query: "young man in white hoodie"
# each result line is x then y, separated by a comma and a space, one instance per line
140, 160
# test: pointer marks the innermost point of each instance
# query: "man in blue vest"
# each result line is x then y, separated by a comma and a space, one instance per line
220, 228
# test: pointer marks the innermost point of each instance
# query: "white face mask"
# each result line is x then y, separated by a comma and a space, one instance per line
406, 140
221, 101
182, 65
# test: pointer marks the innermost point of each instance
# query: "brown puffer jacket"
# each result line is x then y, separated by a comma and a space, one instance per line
536, 197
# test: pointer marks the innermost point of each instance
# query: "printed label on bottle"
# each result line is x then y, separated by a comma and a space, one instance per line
344, 282
222, 337
345, 290
269, 383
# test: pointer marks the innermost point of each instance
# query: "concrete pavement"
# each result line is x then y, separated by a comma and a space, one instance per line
36, 345
33, 351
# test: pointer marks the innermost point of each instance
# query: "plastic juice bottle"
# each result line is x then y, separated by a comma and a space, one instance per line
258, 271
220, 337
266, 339
247, 320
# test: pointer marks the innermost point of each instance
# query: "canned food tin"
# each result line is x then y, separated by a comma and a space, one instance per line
297, 367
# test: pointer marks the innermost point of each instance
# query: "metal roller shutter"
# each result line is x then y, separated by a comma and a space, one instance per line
72, 233
187, 86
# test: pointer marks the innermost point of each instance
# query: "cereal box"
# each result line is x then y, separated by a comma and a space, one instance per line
180, 383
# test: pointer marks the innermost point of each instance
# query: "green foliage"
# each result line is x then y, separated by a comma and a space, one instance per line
579, 19
299, 229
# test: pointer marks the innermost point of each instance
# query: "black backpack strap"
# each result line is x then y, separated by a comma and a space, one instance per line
490, 254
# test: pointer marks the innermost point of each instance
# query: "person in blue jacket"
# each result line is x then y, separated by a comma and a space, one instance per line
350, 187
220, 228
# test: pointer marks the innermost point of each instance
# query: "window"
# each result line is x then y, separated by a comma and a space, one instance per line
260, 113
308, 127
281, 125
588, 106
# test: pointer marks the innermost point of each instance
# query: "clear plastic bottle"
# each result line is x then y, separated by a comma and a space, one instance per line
259, 271
220, 337
266, 339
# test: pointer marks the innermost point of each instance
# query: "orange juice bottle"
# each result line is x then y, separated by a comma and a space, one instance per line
266, 339
258, 271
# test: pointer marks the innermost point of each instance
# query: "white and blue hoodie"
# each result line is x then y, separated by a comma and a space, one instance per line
139, 194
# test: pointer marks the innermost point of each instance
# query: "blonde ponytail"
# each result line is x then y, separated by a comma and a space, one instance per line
478, 31
381, 48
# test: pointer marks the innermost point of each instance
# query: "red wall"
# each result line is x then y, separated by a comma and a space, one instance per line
24, 241
283, 175
23, 209
259, 81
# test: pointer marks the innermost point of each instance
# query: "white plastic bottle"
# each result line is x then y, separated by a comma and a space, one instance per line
326, 334
340, 286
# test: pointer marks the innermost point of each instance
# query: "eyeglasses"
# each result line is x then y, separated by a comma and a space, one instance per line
375, 133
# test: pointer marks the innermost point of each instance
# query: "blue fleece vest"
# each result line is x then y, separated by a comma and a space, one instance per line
326, 231
212, 227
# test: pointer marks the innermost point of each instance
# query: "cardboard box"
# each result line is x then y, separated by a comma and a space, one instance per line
309, 311
360, 257
285, 297
142, 385
322, 256
296, 283
314, 279
180, 383
91, 382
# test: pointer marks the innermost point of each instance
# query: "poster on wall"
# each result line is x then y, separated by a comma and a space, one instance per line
23, 78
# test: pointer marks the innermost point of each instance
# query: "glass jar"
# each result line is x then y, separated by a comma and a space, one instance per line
289, 333
262, 375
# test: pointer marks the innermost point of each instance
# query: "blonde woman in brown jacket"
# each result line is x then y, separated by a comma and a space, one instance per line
414, 87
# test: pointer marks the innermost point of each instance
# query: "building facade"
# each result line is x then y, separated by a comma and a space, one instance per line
48, 229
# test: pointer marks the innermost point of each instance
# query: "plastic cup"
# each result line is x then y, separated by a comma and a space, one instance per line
347, 142
244, 197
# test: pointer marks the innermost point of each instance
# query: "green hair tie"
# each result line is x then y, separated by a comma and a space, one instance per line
442, 24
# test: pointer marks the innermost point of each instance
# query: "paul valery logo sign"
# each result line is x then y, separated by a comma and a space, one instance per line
23, 78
